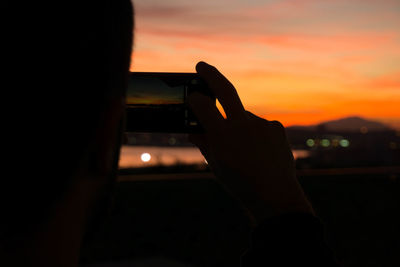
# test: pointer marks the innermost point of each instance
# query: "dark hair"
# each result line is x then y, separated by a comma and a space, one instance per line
64, 61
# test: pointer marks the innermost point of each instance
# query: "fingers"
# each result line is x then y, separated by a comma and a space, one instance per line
206, 112
251, 116
222, 89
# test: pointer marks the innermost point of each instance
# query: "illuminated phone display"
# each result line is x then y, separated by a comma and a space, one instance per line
156, 102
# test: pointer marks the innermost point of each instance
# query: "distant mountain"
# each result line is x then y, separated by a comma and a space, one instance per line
349, 124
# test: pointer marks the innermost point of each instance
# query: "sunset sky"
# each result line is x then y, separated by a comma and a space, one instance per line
297, 61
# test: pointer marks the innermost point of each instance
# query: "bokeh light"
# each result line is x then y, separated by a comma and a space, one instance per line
325, 143
344, 143
310, 142
145, 157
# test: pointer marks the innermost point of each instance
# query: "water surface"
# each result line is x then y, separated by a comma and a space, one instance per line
133, 156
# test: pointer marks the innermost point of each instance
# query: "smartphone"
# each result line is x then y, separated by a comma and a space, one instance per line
157, 102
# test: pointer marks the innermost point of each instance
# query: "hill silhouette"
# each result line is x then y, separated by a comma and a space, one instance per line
348, 124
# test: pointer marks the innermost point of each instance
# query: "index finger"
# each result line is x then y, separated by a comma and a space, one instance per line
222, 89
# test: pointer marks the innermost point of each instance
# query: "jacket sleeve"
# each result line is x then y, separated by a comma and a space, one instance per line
295, 239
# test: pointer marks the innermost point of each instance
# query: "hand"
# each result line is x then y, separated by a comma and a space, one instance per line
249, 155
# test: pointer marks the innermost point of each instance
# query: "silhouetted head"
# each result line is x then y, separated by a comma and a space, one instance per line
66, 72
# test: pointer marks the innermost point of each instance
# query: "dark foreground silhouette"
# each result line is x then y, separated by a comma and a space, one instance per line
66, 76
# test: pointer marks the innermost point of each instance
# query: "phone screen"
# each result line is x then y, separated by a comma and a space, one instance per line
149, 92
156, 102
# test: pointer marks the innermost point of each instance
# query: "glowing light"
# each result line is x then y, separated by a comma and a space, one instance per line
172, 141
335, 142
131, 140
194, 82
325, 143
392, 145
364, 130
310, 142
344, 143
145, 157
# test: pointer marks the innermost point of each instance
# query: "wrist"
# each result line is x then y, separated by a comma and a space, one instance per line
264, 199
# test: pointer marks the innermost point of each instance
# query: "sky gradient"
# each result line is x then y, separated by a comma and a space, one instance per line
297, 61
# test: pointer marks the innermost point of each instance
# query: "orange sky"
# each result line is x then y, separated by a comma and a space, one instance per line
297, 61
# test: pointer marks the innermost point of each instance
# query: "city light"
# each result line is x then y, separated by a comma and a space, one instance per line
325, 143
335, 142
344, 143
146, 157
172, 141
364, 130
310, 142
392, 145
131, 140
